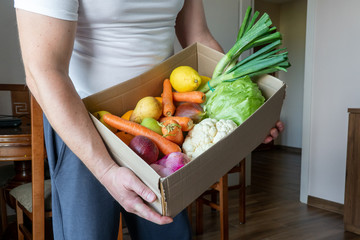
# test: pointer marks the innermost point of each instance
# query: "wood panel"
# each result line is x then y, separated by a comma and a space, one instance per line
326, 205
352, 185
15, 147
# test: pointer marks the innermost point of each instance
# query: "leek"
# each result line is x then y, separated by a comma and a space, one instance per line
268, 59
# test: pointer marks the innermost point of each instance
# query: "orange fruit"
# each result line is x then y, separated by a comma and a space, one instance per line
159, 99
125, 137
127, 115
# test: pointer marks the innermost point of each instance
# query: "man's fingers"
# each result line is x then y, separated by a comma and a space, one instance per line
267, 139
144, 211
280, 126
137, 206
134, 184
274, 133
143, 191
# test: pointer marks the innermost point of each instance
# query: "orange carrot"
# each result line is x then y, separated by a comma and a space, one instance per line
193, 96
164, 145
172, 131
167, 99
186, 123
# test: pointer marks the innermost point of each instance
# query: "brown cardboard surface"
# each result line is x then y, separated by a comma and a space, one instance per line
178, 190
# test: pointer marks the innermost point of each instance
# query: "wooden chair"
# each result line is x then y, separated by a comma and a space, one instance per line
6, 172
20, 107
120, 234
31, 197
221, 188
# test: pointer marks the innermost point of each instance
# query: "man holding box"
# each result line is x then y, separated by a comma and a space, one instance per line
72, 49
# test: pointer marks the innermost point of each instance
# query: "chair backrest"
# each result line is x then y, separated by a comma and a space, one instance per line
38, 155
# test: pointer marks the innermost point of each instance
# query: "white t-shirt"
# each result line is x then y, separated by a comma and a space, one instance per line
115, 39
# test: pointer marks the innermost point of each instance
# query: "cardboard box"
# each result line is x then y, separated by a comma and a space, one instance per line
178, 190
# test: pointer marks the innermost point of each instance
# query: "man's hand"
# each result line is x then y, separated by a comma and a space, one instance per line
274, 132
131, 193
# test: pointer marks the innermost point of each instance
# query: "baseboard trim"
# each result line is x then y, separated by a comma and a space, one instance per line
326, 205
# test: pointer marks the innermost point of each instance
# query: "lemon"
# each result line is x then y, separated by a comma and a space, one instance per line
99, 115
185, 79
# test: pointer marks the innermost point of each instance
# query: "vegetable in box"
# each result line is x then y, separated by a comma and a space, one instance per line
235, 100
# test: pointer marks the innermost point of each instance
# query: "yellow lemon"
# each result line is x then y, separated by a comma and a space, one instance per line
99, 115
185, 79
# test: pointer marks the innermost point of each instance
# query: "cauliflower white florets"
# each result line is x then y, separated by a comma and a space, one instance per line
205, 134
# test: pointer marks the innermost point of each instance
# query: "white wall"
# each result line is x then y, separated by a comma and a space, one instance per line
331, 87
11, 68
290, 19
293, 27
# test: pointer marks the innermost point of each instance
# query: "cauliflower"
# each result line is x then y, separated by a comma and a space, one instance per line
205, 134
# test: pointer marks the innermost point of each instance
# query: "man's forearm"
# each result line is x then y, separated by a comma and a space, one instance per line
70, 119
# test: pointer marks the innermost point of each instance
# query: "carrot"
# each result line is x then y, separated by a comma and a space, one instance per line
186, 123
167, 99
172, 131
164, 145
193, 96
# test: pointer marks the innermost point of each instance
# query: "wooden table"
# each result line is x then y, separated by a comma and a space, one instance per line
15, 146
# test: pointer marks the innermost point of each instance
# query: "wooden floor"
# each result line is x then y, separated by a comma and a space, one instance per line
273, 209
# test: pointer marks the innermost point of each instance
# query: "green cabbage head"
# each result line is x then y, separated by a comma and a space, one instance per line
235, 100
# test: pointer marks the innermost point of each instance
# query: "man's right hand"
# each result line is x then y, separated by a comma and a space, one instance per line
131, 193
